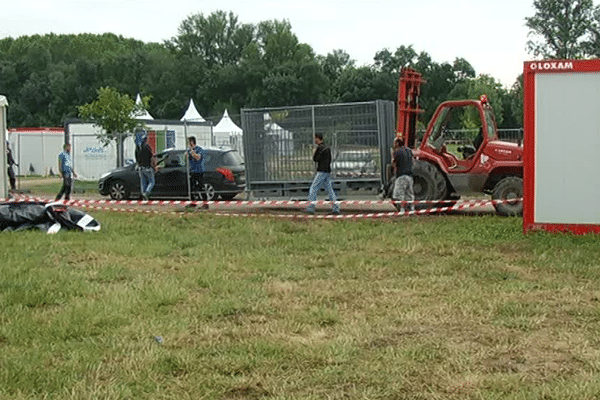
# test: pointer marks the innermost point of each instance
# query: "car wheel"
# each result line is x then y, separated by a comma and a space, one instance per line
509, 190
209, 192
118, 190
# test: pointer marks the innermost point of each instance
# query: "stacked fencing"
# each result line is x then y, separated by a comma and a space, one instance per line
279, 145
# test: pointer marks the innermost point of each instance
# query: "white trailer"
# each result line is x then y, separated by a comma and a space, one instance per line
91, 158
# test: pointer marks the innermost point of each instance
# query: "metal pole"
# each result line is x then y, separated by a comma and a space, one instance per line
19, 166
3, 173
313, 121
314, 130
43, 137
187, 161
73, 172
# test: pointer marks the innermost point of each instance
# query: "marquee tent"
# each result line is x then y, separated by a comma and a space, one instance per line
192, 114
281, 140
144, 114
227, 133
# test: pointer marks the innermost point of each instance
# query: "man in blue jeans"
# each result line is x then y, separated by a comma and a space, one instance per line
146, 163
196, 160
322, 157
65, 169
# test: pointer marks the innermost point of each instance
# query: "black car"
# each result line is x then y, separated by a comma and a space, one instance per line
224, 177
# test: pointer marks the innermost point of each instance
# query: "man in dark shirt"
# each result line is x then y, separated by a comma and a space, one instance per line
146, 163
11, 173
402, 160
322, 157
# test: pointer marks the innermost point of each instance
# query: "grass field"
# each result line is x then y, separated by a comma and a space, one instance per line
48, 187
197, 306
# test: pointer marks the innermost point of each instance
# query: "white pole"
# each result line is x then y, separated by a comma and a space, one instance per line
187, 162
19, 167
3, 182
44, 168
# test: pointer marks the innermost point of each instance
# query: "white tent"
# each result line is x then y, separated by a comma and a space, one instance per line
144, 114
227, 133
192, 114
282, 140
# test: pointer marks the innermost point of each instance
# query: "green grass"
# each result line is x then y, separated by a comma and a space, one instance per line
50, 186
429, 307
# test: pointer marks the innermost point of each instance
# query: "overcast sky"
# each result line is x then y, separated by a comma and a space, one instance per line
490, 34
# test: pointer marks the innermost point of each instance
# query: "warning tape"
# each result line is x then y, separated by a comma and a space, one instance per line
432, 207
239, 203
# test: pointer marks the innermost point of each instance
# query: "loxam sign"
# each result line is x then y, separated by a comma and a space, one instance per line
551, 66
95, 152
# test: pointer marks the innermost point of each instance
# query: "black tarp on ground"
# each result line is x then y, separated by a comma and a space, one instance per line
48, 217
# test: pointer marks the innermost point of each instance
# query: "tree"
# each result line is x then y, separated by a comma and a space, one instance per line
277, 43
463, 69
47, 77
516, 101
485, 84
561, 27
592, 46
115, 113
334, 63
404, 56
355, 84
280, 70
440, 80
218, 38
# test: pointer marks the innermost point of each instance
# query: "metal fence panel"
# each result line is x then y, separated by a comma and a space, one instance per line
279, 144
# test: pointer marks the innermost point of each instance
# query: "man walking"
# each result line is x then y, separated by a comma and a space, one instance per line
402, 161
146, 163
322, 157
65, 169
196, 159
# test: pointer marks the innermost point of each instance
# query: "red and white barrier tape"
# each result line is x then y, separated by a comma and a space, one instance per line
225, 203
433, 206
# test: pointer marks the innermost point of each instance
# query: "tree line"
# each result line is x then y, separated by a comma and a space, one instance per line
223, 63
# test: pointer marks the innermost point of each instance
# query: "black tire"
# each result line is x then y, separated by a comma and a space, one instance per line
228, 196
509, 188
118, 190
429, 182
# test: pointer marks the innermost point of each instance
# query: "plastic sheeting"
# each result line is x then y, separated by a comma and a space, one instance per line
48, 217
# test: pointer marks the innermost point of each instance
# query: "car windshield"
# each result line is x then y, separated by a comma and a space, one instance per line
491, 122
170, 159
232, 159
161, 159
456, 123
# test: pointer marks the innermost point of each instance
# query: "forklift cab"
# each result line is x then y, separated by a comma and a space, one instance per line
459, 121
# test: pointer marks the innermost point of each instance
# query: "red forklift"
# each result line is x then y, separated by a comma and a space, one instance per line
444, 171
